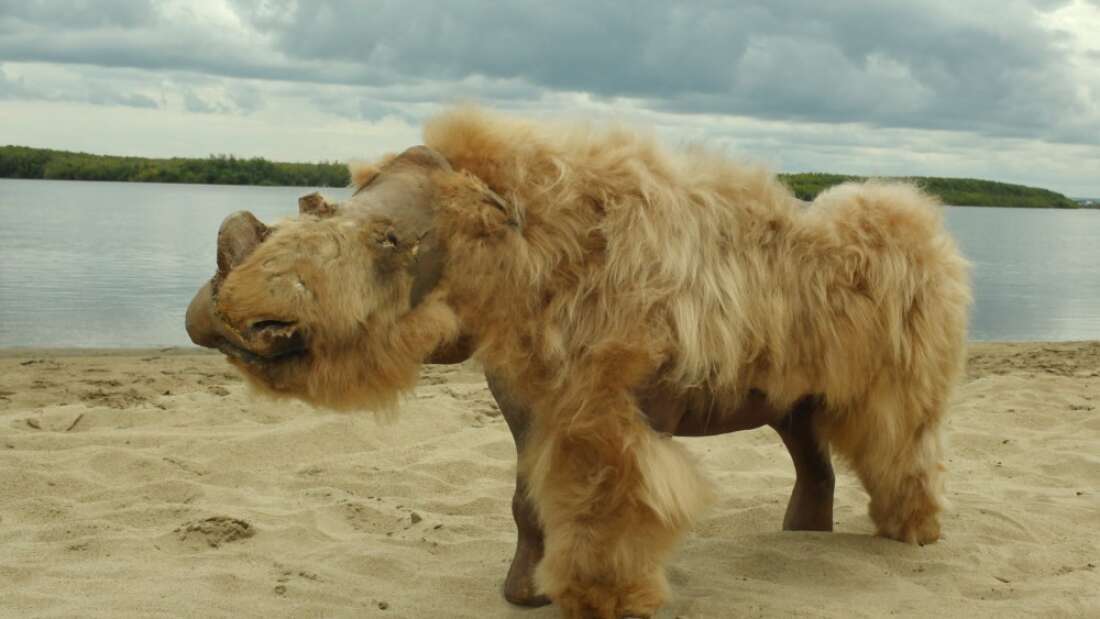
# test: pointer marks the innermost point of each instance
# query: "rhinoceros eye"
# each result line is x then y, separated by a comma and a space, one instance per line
388, 239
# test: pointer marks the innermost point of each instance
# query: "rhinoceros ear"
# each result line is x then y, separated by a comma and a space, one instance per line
362, 173
423, 156
513, 214
315, 204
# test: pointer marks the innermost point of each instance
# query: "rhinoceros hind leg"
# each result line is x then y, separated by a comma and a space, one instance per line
811, 504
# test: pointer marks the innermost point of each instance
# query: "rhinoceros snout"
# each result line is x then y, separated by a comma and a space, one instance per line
200, 322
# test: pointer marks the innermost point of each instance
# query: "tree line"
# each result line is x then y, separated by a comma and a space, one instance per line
41, 163
26, 162
955, 191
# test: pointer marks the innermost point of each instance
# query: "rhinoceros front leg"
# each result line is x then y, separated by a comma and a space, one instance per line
519, 586
811, 504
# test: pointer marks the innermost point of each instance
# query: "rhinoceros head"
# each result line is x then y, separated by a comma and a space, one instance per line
341, 305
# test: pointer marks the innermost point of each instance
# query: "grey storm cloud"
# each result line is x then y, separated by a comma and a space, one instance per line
80, 14
193, 102
89, 92
988, 67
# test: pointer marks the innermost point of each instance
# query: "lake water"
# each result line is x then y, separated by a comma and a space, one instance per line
115, 264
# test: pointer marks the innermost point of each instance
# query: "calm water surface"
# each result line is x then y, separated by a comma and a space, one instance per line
115, 264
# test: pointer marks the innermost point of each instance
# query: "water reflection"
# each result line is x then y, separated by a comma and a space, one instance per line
1034, 272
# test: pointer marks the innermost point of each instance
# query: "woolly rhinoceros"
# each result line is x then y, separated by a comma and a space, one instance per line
618, 294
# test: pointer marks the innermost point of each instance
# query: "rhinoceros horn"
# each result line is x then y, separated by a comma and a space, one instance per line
239, 235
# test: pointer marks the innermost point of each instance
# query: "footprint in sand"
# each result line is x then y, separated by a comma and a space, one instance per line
102, 383
488, 407
46, 364
214, 531
113, 399
286, 575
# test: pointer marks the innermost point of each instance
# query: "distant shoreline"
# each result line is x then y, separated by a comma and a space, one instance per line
47, 164
952, 191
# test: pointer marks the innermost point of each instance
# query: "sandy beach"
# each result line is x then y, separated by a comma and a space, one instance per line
152, 483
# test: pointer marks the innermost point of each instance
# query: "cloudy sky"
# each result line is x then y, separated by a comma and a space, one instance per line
1000, 89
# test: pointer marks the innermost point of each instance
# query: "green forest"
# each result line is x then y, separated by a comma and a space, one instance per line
956, 191
25, 162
